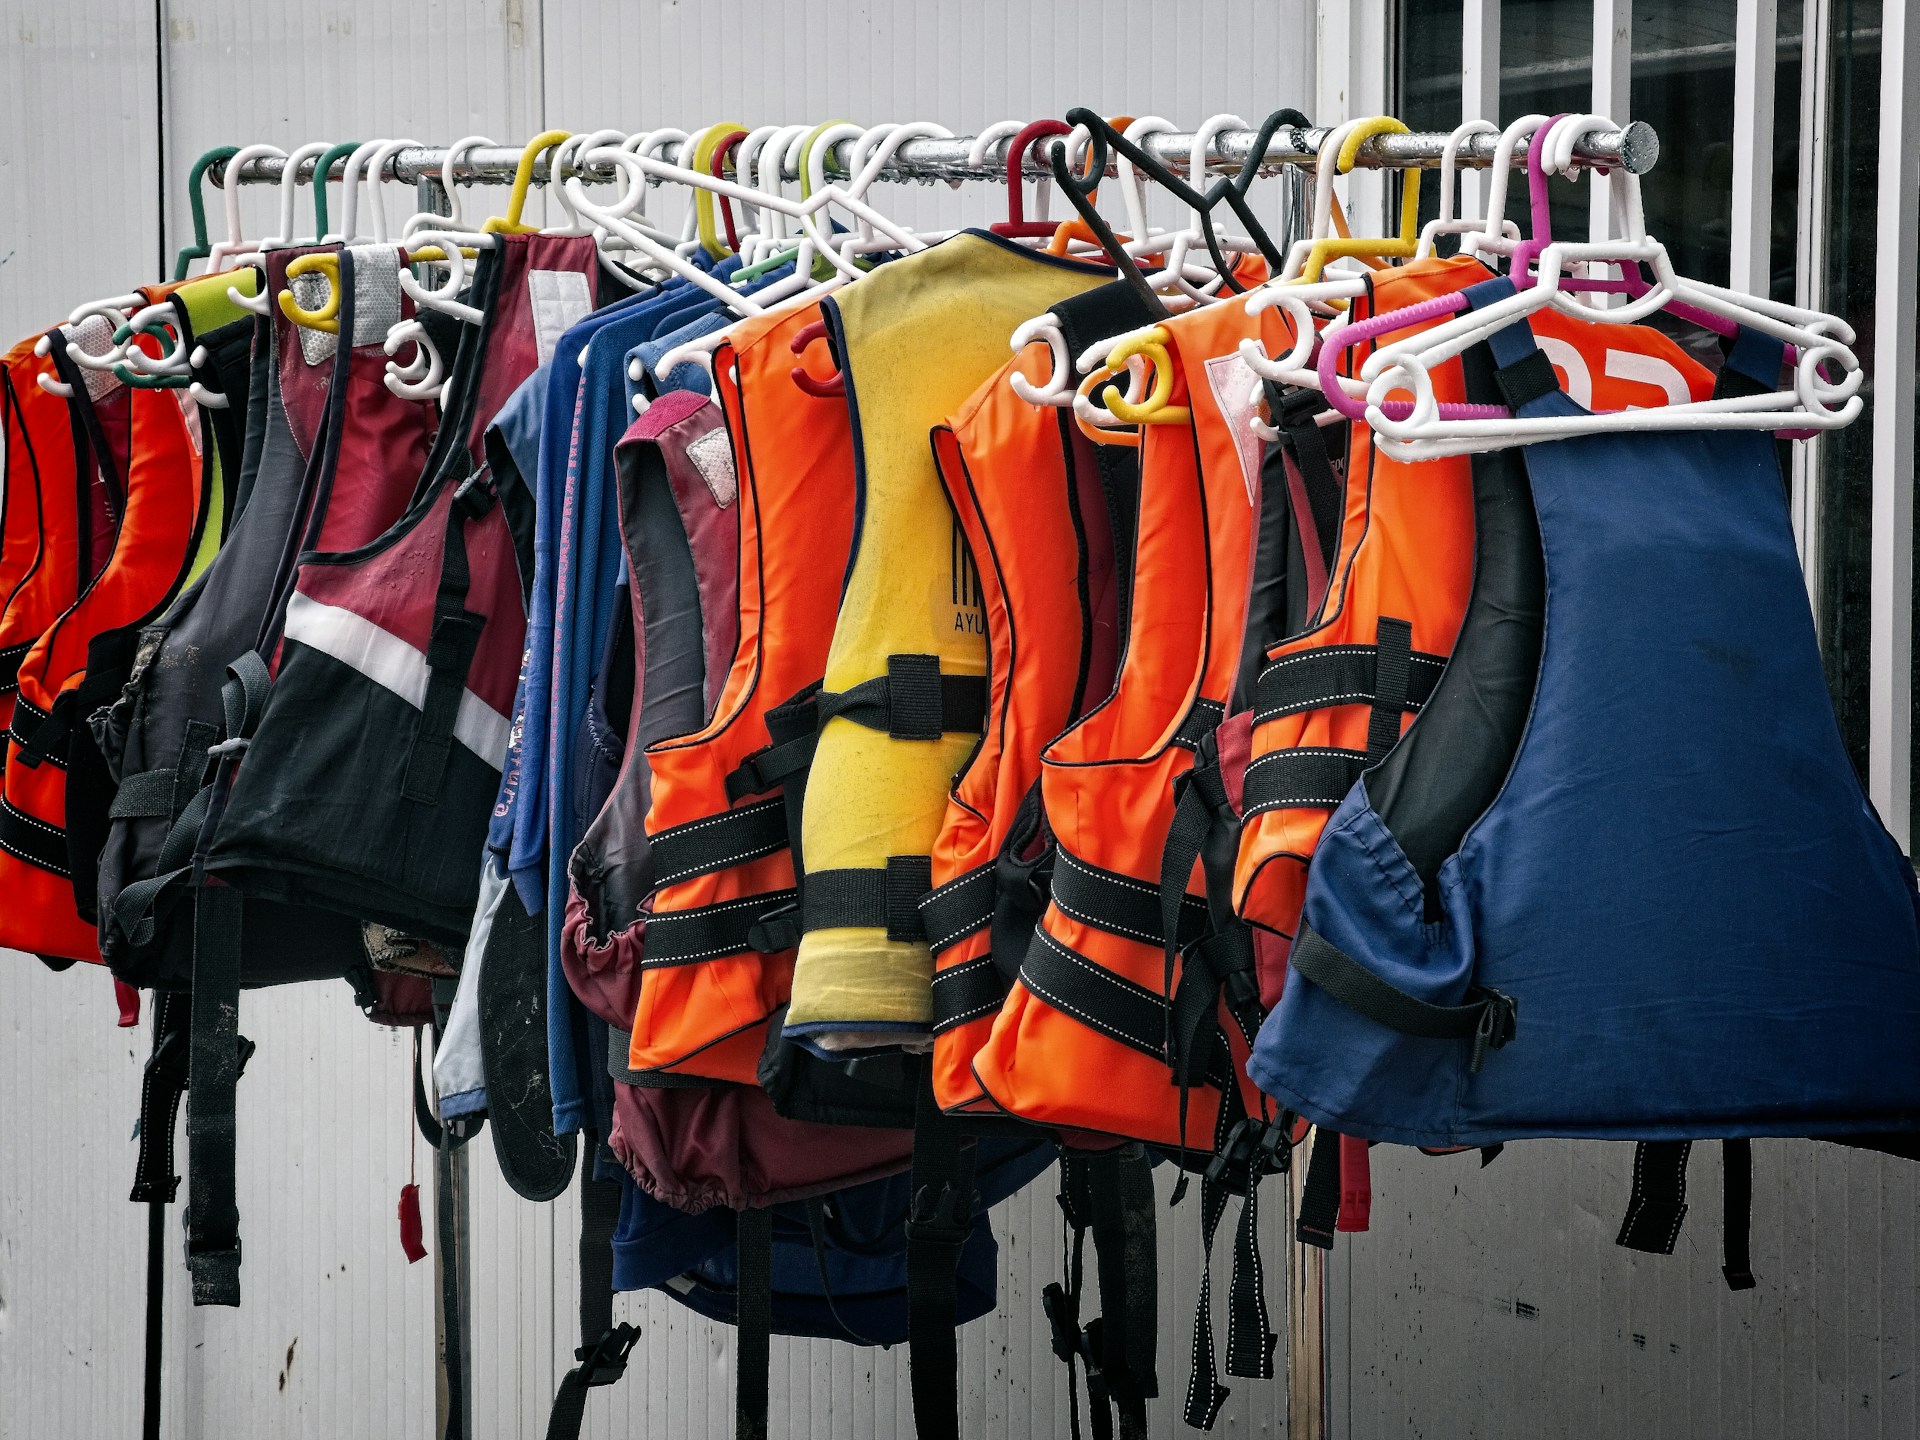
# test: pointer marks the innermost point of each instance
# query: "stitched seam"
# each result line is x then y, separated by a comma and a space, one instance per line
19, 814
1114, 876
37, 864
726, 864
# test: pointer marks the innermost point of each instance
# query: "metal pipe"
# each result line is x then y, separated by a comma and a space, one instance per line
1634, 148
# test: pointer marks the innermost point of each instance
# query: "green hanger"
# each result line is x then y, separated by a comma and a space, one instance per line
196, 178
321, 173
129, 376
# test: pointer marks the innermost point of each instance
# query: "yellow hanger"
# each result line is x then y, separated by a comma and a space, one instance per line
1099, 434
703, 200
1409, 238
509, 224
1154, 410
327, 317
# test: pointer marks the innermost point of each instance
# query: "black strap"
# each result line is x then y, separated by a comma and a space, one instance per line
1313, 777
939, 1220
162, 1086
1338, 675
41, 735
1294, 416
450, 648
753, 1322
1200, 803
912, 701
1245, 1150
1658, 1204
1061, 1302
213, 1214
454, 1322
1526, 380
34, 841
727, 927
793, 727
958, 908
1736, 1213
604, 1347
1125, 1246
1392, 669
1122, 905
1203, 717
1488, 1018
881, 897
969, 991
1319, 1214
10, 658
719, 842
1751, 365
1095, 996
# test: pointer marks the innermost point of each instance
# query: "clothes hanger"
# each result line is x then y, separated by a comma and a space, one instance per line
1425, 428
323, 176
350, 177
1445, 223
289, 191
510, 223
233, 250
1016, 226
1402, 246
196, 201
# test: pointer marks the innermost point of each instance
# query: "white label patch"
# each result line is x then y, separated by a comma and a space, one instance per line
712, 456
1233, 383
560, 299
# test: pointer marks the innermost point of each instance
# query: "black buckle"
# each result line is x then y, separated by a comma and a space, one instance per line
1063, 1320
1297, 407
474, 496
1499, 1015
777, 930
944, 1218
1255, 1148
605, 1361
247, 1047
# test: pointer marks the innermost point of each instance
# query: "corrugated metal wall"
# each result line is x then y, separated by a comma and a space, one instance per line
1483, 1303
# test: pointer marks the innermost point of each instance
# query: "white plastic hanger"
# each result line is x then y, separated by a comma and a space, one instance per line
1445, 223
1429, 431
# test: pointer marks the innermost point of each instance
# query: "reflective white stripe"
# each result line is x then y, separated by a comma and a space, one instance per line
389, 661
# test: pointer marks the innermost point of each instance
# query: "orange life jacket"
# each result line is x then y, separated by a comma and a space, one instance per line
1026, 491
1093, 998
717, 961
162, 507
39, 551
1335, 698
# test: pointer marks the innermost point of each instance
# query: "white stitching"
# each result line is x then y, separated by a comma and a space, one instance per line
38, 865
19, 814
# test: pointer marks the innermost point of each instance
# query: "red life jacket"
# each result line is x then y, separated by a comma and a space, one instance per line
39, 545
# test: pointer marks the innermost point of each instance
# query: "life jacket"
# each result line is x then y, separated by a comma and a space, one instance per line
1740, 954
201, 308
372, 752
718, 1189
39, 546
1401, 571
905, 686
1026, 491
717, 961
158, 506
330, 479
1093, 996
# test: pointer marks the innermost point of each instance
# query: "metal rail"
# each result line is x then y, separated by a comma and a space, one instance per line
1634, 148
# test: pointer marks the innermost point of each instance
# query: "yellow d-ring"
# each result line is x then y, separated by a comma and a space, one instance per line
327, 317
1154, 410
509, 224
1409, 238
1100, 434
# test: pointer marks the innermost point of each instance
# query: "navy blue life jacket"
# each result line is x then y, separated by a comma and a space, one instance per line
1619, 880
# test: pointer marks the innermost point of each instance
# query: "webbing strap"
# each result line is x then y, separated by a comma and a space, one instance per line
770, 766
912, 701
213, 1215
719, 842
1488, 1018
604, 1347
1121, 904
969, 991
880, 897
1736, 1213
727, 927
1338, 675
1200, 803
1095, 996
1751, 366
1658, 1204
753, 1322
162, 1086
1310, 777
1203, 717
1319, 1216
939, 1220
450, 648
958, 908
1392, 669
34, 841
41, 735
1061, 1303
1294, 415
1125, 1247
10, 658
1246, 1149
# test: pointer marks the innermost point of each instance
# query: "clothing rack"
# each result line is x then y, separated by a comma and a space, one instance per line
1635, 148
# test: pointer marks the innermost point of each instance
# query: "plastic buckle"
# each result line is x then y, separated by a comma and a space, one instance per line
778, 929
1297, 407
605, 1361
474, 496
1499, 1016
1239, 1145
1063, 1320
247, 1047
943, 1219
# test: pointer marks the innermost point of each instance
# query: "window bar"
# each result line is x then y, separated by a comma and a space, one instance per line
1810, 267
1756, 23
1897, 287
1612, 91
1479, 81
